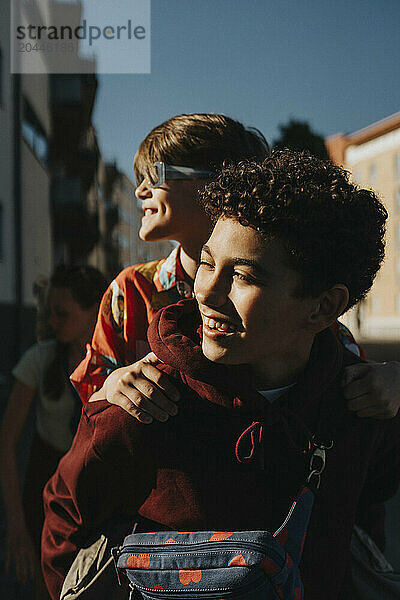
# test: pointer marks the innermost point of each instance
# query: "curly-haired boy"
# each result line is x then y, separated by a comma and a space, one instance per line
295, 244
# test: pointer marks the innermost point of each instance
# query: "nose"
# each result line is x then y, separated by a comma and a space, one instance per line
211, 288
143, 191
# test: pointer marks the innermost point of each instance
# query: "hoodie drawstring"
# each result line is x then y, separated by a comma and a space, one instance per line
253, 436
255, 431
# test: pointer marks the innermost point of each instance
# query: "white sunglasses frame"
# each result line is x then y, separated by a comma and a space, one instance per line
165, 172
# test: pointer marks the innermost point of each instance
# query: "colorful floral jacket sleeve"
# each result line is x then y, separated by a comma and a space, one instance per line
127, 307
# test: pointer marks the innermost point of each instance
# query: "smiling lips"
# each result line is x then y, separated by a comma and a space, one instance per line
221, 326
149, 211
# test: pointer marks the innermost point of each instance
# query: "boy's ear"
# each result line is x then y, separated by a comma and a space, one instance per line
328, 307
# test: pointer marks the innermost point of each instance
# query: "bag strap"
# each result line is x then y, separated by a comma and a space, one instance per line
326, 433
291, 534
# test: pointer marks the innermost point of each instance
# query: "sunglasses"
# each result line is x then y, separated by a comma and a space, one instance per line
165, 172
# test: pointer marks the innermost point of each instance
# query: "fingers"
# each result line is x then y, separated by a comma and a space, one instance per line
162, 381
354, 372
142, 390
138, 406
151, 358
360, 403
373, 412
130, 407
146, 396
142, 397
372, 389
357, 387
368, 405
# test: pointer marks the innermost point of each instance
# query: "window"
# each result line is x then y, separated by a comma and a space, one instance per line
35, 140
372, 173
33, 134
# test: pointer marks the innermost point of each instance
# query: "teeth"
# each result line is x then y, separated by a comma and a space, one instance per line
148, 212
219, 325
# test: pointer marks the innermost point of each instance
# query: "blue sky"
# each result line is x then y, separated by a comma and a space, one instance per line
335, 64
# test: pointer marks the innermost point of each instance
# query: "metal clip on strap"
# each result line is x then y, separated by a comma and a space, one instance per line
317, 463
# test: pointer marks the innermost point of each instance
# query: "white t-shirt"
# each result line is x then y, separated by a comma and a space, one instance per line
53, 416
272, 395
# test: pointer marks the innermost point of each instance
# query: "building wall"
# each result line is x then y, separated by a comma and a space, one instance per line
374, 164
20, 168
6, 165
36, 89
36, 228
373, 157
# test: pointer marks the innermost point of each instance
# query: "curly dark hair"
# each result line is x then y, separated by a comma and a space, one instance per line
333, 231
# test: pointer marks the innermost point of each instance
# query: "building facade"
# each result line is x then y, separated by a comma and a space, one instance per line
25, 223
372, 155
47, 164
60, 203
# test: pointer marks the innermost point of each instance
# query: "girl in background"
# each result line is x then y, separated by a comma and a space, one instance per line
74, 297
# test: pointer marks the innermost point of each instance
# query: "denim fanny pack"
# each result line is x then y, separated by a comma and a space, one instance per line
251, 565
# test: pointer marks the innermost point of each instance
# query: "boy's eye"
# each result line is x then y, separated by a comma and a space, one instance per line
243, 277
204, 263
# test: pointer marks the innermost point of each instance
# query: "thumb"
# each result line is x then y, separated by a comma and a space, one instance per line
354, 372
151, 359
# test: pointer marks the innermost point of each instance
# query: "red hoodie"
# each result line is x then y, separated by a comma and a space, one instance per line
185, 474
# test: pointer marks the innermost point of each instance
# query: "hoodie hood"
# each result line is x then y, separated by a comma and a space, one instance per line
175, 337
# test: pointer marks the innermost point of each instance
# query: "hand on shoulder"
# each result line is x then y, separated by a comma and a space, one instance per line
142, 390
373, 389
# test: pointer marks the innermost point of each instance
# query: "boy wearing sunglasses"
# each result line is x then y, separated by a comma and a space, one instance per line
172, 164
